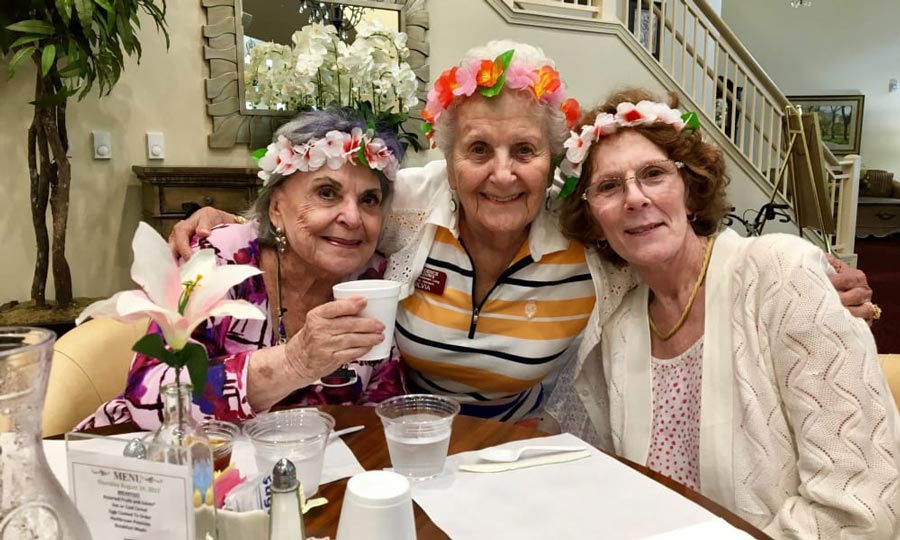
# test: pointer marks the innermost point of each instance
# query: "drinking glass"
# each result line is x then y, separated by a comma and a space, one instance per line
417, 428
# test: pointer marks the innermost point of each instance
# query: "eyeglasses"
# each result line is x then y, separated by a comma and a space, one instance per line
651, 175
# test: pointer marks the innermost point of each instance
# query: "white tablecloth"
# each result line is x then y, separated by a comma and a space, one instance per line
596, 497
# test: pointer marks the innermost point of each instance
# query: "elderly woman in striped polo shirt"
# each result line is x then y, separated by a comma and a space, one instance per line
493, 294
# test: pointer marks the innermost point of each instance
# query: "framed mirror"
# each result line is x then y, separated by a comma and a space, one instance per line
233, 26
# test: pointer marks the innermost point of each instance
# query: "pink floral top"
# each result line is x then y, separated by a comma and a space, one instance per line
675, 439
230, 344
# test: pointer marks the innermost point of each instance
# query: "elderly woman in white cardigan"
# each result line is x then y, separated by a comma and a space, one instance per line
733, 368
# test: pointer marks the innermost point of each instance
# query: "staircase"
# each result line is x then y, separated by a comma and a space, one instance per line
691, 50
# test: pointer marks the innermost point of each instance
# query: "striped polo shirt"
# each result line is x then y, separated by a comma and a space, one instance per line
492, 357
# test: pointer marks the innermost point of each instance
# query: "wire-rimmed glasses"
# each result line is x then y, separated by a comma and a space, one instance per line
612, 187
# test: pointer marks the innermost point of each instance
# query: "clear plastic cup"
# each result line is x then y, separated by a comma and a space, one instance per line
221, 436
299, 435
417, 428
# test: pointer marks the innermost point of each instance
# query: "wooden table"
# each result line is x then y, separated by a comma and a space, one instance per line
469, 433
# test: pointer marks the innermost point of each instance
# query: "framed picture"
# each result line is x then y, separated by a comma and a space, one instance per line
840, 118
639, 12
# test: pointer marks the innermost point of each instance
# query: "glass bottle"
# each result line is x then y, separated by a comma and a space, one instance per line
181, 437
33, 505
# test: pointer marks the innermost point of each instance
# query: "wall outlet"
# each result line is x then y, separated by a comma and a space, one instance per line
102, 145
156, 146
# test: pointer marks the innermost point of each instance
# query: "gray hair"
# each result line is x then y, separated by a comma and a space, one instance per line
555, 127
314, 125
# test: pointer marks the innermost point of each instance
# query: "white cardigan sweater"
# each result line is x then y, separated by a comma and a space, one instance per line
799, 432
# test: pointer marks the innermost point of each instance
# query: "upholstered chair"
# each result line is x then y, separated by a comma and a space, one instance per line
90, 366
890, 364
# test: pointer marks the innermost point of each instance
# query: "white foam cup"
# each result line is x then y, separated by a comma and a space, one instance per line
381, 296
377, 506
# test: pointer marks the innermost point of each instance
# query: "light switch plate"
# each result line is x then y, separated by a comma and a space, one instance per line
102, 145
156, 146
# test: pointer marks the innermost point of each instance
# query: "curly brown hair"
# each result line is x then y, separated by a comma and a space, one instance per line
703, 174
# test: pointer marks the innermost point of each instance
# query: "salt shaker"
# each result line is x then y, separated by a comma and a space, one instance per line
286, 512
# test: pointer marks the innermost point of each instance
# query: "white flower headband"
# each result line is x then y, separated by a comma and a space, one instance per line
334, 150
627, 115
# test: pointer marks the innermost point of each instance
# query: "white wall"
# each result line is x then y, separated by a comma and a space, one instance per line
831, 47
165, 93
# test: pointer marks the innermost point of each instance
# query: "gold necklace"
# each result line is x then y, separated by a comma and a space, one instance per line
690, 302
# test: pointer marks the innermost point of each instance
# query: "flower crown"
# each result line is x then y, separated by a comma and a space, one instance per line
489, 77
334, 150
627, 115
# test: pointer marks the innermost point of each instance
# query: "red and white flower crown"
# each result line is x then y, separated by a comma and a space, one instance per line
489, 77
334, 150
627, 115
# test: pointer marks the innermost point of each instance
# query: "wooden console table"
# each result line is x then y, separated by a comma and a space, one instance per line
169, 193
877, 216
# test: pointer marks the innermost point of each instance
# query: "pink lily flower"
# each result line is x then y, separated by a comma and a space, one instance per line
176, 298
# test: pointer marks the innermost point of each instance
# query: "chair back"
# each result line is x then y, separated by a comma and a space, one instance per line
90, 367
890, 365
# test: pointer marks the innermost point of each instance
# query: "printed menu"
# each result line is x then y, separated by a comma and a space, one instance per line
123, 498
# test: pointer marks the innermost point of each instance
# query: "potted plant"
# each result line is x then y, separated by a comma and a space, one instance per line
74, 44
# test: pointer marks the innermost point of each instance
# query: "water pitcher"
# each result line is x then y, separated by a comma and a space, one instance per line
33, 505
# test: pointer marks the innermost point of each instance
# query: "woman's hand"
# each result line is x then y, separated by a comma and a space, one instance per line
199, 223
853, 288
333, 335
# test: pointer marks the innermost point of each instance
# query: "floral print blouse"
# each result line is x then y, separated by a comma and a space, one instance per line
230, 344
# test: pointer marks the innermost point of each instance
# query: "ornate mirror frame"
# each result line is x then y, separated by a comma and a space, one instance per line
232, 123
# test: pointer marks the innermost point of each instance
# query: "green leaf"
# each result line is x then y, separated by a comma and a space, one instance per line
25, 40
32, 26
494, 90
64, 7
426, 128
568, 187
506, 58
105, 5
85, 11
194, 356
48, 55
361, 156
691, 122
152, 345
17, 59
72, 70
258, 154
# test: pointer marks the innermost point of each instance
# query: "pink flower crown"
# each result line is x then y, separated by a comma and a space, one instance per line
334, 150
489, 77
627, 115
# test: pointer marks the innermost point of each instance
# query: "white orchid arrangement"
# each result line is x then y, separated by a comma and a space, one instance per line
178, 299
320, 70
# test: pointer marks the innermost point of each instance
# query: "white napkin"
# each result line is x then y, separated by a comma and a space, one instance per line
596, 497
339, 460
710, 530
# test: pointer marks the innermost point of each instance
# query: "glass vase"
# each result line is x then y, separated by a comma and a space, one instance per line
179, 439
33, 505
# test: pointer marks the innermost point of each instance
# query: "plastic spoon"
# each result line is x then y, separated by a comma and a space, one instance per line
507, 455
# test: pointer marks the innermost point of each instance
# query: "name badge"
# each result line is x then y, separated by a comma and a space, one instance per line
431, 281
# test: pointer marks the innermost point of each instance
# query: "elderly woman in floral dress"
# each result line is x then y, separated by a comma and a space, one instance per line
316, 223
